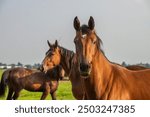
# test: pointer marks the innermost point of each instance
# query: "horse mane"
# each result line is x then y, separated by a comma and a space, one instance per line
86, 30
68, 54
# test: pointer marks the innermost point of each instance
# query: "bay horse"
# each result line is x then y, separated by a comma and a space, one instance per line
30, 80
105, 80
57, 55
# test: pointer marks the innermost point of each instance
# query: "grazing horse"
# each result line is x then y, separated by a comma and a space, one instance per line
105, 80
67, 59
30, 80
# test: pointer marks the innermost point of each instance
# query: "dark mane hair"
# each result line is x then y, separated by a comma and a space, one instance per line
68, 55
66, 52
86, 30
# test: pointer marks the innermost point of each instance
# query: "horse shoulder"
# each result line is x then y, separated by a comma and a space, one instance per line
120, 88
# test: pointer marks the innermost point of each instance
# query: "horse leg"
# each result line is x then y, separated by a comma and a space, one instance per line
10, 93
44, 95
16, 95
85, 97
46, 92
53, 95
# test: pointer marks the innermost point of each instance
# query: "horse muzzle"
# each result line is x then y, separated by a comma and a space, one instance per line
85, 69
42, 69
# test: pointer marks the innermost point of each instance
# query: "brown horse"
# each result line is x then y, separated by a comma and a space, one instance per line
102, 78
35, 81
67, 59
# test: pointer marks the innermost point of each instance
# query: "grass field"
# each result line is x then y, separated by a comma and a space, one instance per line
63, 92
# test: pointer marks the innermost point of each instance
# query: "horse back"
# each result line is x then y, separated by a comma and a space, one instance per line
129, 84
20, 72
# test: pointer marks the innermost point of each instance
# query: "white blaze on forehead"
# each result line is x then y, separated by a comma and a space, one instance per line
84, 35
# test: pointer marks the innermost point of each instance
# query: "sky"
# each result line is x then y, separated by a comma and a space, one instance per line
26, 25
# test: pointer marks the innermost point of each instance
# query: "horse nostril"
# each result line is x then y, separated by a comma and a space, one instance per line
81, 67
84, 67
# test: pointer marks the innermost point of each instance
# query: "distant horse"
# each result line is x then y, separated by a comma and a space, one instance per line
136, 67
67, 59
22, 78
102, 78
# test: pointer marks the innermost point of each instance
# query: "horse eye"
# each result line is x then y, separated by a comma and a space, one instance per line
94, 42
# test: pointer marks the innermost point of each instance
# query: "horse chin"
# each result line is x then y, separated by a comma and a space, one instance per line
85, 75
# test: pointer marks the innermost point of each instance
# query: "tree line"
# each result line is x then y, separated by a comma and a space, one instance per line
37, 65
147, 65
19, 64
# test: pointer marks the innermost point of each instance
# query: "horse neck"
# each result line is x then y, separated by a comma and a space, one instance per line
66, 60
101, 75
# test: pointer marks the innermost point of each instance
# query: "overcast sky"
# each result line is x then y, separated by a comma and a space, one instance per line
26, 25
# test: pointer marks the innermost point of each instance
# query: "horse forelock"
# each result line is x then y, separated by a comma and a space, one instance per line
85, 30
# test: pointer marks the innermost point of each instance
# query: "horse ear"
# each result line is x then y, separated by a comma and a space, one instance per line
49, 44
91, 23
56, 44
76, 24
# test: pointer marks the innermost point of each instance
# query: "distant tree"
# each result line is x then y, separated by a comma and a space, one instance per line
147, 65
12, 65
141, 64
28, 66
19, 64
36, 66
124, 64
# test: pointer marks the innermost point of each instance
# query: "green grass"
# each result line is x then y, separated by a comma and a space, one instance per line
63, 93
